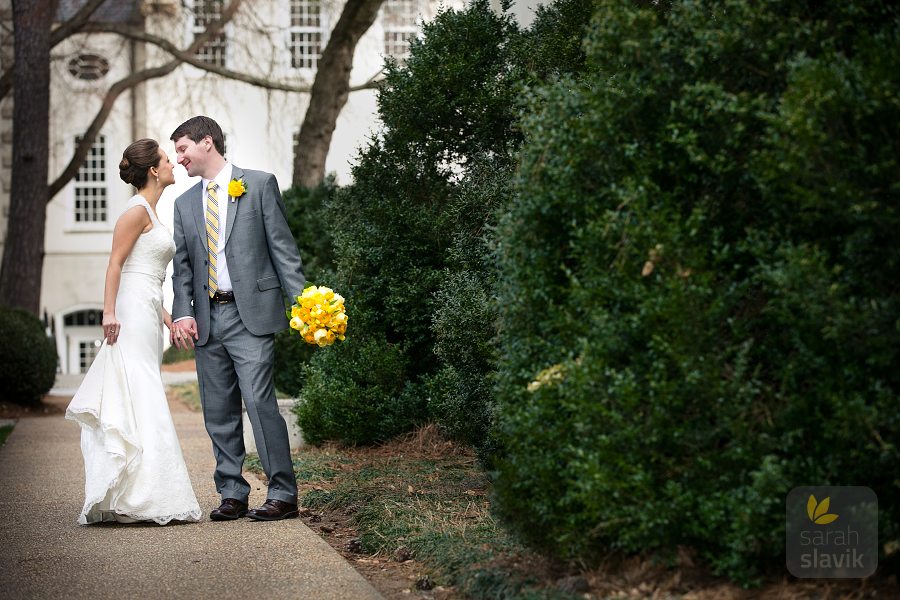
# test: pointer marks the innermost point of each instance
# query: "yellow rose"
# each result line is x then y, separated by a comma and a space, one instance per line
236, 188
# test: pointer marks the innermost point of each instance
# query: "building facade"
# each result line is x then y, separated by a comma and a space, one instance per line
280, 40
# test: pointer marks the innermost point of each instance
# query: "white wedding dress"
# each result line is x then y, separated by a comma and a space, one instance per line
133, 466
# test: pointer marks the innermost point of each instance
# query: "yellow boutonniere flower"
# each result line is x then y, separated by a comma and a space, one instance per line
236, 188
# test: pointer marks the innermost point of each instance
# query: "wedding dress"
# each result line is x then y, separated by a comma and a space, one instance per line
133, 466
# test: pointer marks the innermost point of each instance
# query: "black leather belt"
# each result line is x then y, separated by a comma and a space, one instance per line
221, 297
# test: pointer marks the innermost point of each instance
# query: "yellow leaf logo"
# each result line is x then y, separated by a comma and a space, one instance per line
818, 511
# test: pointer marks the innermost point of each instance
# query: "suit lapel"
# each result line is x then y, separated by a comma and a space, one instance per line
236, 173
197, 208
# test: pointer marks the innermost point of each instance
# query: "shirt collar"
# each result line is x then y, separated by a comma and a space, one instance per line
221, 179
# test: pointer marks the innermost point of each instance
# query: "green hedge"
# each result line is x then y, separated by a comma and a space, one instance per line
28, 368
450, 102
697, 281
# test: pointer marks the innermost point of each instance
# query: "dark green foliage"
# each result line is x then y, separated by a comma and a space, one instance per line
355, 391
454, 99
698, 281
393, 228
412, 232
464, 319
313, 229
307, 216
28, 369
553, 45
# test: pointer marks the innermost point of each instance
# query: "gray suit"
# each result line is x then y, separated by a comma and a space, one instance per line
235, 349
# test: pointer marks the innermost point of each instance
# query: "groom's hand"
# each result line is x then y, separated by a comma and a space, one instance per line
184, 332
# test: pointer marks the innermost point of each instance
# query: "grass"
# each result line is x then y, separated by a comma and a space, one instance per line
189, 393
428, 495
4, 433
175, 355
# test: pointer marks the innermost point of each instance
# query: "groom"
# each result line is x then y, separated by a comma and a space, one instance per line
234, 256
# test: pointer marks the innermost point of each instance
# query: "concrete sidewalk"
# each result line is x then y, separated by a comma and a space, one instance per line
45, 554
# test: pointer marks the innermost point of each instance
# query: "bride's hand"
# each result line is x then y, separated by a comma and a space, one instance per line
111, 328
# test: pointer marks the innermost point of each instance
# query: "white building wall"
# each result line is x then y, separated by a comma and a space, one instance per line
76, 254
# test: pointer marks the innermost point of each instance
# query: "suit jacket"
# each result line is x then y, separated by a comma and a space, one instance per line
261, 252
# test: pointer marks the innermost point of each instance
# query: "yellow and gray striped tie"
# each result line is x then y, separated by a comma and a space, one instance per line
212, 234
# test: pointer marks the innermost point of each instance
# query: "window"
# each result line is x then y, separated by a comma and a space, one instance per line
87, 352
206, 12
89, 318
400, 29
90, 185
307, 33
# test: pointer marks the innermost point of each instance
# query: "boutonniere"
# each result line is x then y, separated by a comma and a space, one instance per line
236, 189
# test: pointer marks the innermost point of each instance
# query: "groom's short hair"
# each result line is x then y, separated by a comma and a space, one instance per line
197, 128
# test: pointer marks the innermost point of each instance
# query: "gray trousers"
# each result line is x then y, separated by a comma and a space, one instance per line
234, 363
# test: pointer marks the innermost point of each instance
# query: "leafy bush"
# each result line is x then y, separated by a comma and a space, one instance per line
697, 281
451, 102
351, 386
28, 369
460, 395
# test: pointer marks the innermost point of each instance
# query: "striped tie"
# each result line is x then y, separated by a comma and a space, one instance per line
212, 234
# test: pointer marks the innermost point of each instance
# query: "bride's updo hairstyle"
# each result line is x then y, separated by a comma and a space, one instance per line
137, 160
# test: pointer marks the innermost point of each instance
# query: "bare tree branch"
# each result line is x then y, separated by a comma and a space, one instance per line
191, 59
127, 83
68, 28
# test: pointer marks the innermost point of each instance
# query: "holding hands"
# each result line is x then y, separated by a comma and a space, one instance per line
183, 333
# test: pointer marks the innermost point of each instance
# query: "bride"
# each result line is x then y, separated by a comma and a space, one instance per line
133, 466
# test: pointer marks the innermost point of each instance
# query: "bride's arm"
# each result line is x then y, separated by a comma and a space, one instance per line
129, 226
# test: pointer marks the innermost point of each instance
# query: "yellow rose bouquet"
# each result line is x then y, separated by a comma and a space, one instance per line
319, 316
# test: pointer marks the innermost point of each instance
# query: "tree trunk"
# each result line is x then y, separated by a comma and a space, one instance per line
23, 252
330, 90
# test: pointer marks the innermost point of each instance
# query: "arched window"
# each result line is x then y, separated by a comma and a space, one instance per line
84, 318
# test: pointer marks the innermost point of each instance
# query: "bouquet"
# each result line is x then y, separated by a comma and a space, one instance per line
319, 316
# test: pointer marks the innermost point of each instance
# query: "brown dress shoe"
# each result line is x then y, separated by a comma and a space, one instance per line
229, 510
274, 510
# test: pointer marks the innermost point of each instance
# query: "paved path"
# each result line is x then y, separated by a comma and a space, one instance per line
45, 554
